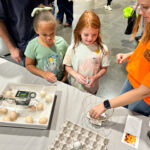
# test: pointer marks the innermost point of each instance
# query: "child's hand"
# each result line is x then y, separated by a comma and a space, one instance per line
49, 76
120, 58
91, 81
80, 78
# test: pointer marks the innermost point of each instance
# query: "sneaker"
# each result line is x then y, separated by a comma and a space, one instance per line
105, 7
67, 25
109, 8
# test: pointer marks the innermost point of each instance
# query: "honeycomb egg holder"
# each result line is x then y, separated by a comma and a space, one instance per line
75, 137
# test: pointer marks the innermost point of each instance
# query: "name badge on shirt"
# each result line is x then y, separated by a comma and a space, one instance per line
97, 51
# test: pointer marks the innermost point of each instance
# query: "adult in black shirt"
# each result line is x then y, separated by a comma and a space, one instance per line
16, 27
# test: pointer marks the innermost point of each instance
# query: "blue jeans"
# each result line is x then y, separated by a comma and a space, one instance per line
139, 106
65, 7
53, 8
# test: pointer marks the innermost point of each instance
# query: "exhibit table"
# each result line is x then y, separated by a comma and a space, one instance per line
68, 106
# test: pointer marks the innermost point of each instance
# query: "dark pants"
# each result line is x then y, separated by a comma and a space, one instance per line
65, 7
109, 2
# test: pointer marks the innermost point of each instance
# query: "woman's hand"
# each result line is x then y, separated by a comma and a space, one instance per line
120, 58
97, 110
49, 76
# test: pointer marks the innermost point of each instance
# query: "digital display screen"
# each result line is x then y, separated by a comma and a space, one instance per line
22, 94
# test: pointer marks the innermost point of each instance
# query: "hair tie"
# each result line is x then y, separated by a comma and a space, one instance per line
37, 10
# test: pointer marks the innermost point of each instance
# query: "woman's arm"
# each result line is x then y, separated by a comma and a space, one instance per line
127, 98
30, 65
131, 96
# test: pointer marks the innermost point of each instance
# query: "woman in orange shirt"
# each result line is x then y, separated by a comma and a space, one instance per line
136, 90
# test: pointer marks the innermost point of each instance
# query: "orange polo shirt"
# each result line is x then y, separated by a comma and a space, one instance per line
138, 67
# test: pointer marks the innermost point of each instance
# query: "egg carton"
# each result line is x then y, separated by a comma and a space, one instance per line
75, 137
40, 118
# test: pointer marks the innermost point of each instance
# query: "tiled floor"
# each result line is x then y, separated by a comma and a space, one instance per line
113, 27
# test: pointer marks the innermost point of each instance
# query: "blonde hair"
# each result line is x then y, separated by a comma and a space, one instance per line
88, 19
146, 35
44, 15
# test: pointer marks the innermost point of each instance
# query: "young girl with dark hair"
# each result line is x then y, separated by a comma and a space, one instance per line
45, 53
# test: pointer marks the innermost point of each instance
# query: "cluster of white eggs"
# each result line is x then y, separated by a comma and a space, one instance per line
12, 116
48, 98
29, 119
39, 107
32, 108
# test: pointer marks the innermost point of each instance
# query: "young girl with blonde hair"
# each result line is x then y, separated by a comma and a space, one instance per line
86, 60
44, 54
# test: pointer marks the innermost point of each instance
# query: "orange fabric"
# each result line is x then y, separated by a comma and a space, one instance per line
138, 67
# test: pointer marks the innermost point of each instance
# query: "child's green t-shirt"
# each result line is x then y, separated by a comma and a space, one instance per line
48, 58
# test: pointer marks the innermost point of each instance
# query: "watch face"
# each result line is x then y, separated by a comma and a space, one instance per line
107, 104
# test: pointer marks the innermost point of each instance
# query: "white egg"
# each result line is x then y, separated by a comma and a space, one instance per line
40, 107
9, 94
13, 115
48, 98
42, 93
43, 120
4, 110
29, 119
13, 95
31, 108
77, 145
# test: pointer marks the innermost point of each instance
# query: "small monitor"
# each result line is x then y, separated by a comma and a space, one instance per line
22, 94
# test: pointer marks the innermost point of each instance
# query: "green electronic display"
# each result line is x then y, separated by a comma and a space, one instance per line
24, 97
22, 94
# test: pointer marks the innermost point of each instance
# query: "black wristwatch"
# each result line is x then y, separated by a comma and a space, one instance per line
106, 104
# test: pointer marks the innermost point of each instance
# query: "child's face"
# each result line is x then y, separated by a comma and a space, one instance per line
89, 35
46, 31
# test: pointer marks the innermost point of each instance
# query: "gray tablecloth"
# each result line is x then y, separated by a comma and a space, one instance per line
69, 106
